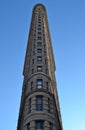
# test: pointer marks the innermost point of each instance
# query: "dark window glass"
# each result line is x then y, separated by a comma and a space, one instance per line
48, 105
39, 25
39, 38
39, 33
44, 45
39, 59
51, 126
47, 85
39, 22
45, 61
28, 126
39, 68
39, 19
31, 85
29, 105
39, 83
34, 45
39, 125
39, 103
32, 71
32, 61
39, 28
39, 51
44, 52
33, 52
39, 43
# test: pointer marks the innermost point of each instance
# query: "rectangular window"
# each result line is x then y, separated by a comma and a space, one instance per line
39, 68
28, 126
39, 83
39, 25
39, 21
39, 51
39, 33
47, 85
39, 38
39, 103
51, 126
29, 105
32, 71
39, 28
39, 125
32, 61
31, 85
33, 52
48, 104
39, 59
45, 61
39, 43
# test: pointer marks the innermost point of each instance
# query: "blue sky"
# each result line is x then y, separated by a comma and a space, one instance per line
67, 28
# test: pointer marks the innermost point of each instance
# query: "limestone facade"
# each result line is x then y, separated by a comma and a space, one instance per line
39, 108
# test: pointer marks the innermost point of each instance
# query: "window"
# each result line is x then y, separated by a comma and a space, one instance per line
39, 38
44, 52
39, 28
39, 83
31, 85
39, 68
29, 105
51, 126
39, 43
39, 51
45, 61
39, 103
39, 125
33, 52
39, 59
47, 85
34, 45
39, 19
28, 126
44, 45
48, 104
32, 61
39, 33
32, 71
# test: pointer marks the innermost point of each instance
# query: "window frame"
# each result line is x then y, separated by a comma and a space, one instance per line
39, 103
39, 44
39, 59
39, 51
39, 125
39, 83
28, 126
39, 68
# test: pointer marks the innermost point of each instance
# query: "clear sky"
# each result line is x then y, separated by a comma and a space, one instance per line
67, 27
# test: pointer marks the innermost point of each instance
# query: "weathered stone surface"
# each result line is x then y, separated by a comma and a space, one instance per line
39, 79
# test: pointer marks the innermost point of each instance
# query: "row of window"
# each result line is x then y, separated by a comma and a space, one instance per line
39, 84
39, 125
39, 69
39, 51
39, 60
39, 44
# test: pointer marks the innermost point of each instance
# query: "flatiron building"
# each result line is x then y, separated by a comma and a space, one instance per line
39, 108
